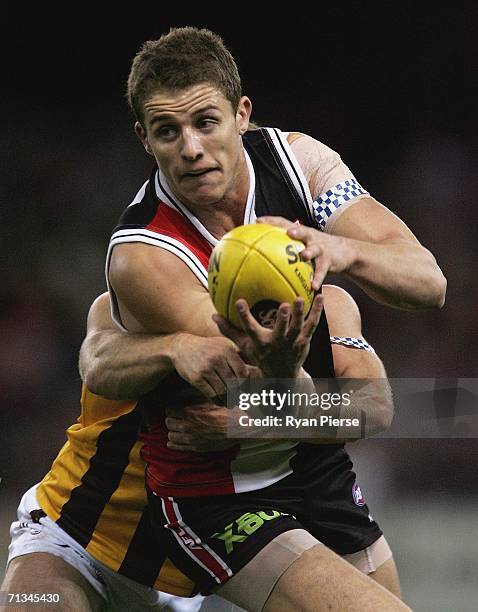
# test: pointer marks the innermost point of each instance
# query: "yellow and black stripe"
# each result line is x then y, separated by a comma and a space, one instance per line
95, 492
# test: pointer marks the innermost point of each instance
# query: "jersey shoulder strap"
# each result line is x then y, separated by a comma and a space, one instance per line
281, 187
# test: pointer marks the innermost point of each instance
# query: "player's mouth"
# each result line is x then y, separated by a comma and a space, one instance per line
197, 173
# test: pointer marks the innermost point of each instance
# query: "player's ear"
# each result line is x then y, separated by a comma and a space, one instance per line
243, 114
141, 134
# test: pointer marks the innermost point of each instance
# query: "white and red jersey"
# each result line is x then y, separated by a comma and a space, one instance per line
277, 186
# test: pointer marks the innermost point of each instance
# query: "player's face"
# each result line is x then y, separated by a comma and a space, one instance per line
195, 137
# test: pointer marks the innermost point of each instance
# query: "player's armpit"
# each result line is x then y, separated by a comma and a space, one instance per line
158, 293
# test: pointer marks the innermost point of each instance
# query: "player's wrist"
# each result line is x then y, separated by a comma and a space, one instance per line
352, 255
177, 344
282, 371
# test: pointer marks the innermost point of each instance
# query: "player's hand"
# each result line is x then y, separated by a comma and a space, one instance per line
208, 363
199, 428
279, 352
329, 253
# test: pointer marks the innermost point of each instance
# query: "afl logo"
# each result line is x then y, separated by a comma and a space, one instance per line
265, 312
357, 495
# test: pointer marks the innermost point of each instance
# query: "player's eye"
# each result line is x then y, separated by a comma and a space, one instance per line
166, 132
207, 122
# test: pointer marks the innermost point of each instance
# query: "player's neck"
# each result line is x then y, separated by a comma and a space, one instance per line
222, 216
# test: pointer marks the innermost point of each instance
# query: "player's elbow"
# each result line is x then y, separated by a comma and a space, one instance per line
439, 286
91, 376
380, 416
435, 285
92, 368
383, 418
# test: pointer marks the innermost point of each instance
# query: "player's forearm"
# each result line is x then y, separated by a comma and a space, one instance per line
121, 365
398, 272
363, 396
369, 412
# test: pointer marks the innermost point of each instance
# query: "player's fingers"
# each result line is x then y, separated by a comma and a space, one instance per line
182, 447
311, 252
297, 318
177, 425
320, 272
198, 410
217, 382
250, 326
281, 324
208, 388
203, 386
237, 366
303, 233
313, 318
238, 336
180, 438
277, 221
226, 328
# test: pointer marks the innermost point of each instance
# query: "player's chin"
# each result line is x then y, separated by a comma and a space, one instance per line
207, 195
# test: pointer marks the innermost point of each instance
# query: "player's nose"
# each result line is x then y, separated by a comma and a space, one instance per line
191, 147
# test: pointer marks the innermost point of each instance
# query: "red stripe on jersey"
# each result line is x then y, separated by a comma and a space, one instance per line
193, 545
183, 473
172, 223
179, 473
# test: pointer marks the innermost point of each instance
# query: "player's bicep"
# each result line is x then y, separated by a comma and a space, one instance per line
368, 220
332, 185
157, 293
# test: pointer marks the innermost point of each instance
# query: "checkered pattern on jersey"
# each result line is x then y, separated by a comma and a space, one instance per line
327, 203
355, 342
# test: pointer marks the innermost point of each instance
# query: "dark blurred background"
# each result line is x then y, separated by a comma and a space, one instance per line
390, 89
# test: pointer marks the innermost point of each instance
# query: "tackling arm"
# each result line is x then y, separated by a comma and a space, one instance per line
121, 365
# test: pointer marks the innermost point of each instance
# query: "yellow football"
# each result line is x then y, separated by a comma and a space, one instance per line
261, 264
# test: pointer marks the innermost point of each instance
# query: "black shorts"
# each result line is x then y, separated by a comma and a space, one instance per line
211, 538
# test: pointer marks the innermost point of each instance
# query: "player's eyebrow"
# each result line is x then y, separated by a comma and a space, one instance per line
168, 116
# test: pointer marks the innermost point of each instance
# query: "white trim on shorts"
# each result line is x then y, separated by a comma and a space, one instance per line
120, 592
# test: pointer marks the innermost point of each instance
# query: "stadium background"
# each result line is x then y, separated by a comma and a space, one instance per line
392, 92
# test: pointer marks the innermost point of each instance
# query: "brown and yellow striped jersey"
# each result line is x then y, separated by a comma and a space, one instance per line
95, 491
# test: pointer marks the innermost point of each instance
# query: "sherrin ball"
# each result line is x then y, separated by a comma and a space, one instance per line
261, 264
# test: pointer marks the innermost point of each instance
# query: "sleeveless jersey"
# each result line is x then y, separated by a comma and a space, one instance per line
276, 187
